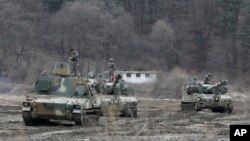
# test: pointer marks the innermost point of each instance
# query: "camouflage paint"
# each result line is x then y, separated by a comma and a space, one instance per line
60, 96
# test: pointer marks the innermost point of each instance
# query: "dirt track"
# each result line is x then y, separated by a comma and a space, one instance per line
157, 120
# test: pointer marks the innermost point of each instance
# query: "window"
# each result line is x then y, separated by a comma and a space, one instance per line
138, 75
147, 75
128, 74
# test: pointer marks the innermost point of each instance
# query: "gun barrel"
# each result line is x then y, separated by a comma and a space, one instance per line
222, 83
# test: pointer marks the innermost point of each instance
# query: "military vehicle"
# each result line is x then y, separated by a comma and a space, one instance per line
197, 96
117, 97
61, 96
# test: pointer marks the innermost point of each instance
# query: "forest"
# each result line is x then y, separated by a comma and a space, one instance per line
197, 36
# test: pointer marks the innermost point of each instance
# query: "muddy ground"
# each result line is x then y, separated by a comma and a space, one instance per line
158, 119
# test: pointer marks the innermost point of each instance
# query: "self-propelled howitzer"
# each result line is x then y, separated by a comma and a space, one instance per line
217, 101
117, 97
61, 96
198, 96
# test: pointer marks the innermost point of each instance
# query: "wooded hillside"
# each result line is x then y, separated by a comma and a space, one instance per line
195, 35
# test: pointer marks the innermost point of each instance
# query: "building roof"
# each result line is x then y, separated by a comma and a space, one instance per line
154, 72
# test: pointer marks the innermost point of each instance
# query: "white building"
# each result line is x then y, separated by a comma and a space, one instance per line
139, 76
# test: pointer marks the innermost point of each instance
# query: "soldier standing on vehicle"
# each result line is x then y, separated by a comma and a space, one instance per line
111, 68
74, 59
116, 80
207, 79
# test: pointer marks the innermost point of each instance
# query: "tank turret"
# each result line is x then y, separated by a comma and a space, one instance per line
62, 95
197, 96
63, 69
200, 88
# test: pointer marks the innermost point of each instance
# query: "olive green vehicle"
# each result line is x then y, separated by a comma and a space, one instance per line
62, 96
197, 96
117, 97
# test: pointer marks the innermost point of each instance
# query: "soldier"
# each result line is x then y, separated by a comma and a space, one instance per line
116, 80
111, 68
207, 79
91, 75
74, 58
92, 78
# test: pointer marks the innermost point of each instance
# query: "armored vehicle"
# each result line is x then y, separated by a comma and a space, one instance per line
62, 96
197, 96
117, 97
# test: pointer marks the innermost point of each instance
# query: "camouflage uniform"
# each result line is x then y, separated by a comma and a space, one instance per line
74, 58
207, 79
111, 68
116, 80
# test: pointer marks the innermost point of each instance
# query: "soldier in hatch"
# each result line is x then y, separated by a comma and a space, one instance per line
74, 59
207, 79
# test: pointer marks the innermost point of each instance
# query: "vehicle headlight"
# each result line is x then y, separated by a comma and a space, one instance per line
198, 99
76, 109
